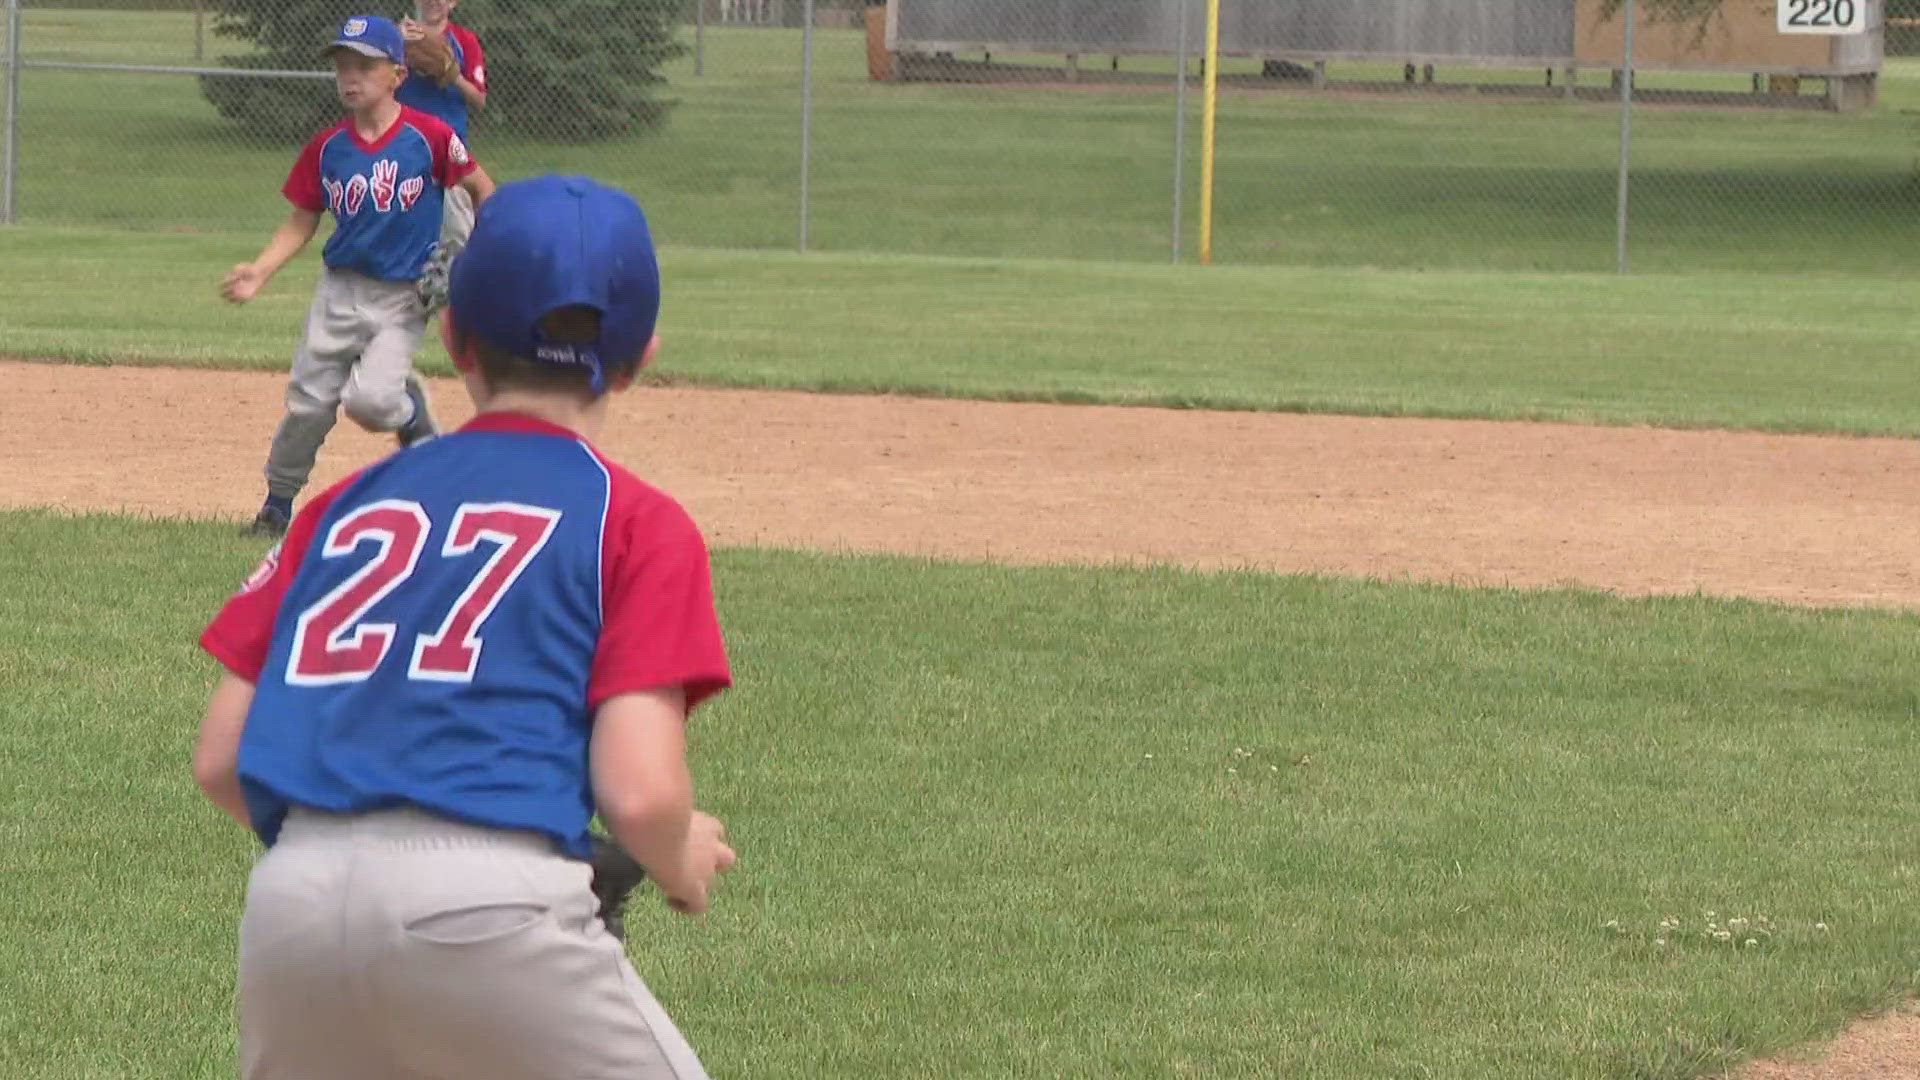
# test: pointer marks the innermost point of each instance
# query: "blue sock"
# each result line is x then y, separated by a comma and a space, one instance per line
282, 503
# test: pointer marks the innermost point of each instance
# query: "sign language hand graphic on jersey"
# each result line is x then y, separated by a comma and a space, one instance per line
386, 173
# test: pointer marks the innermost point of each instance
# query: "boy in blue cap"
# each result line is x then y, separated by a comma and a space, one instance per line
456, 657
463, 92
384, 171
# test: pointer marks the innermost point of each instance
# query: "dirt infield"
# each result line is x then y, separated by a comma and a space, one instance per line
1780, 518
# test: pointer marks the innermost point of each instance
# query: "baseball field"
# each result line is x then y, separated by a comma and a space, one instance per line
1327, 670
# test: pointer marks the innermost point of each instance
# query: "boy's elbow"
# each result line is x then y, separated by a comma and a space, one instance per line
214, 773
644, 809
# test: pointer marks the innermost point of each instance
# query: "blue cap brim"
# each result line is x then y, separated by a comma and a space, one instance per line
360, 47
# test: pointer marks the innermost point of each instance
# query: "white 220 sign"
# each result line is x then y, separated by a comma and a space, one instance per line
1823, 16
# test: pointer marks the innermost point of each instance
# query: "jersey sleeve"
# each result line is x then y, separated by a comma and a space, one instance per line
241, 634
659, 628
473, 59
302, 188
452, 161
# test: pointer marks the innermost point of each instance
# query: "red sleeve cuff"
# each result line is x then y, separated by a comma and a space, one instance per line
305, 200
230, 656
698, 688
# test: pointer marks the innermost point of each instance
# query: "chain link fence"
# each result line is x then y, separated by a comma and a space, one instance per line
1465, 134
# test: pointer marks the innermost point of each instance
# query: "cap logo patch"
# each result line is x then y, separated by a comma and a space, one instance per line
565, 354
354, 28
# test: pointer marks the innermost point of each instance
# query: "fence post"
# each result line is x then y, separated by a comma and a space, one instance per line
699, 37
1626, 141
1211, 104
1185, 8
806, 114
10, 172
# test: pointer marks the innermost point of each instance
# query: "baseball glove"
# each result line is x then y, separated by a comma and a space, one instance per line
615, 875
430, 57
433, 284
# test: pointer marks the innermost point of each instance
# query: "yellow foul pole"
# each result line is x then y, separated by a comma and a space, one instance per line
1212, 62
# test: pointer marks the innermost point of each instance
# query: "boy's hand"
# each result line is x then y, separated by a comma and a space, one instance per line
706, 856
243, 282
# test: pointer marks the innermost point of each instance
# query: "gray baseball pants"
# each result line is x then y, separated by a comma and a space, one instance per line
401, 946
456, 221
356, 353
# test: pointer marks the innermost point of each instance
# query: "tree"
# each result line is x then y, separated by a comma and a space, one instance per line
561, 70
576, 70
286, 35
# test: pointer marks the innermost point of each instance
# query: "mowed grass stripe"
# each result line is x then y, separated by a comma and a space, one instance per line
1700, 351
1073, 823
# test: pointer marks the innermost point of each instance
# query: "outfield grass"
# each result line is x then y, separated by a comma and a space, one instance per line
1075, 823
1816, 354
1326, 180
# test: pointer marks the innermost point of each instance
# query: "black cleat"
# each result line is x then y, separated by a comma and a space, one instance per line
270, 521
422, 427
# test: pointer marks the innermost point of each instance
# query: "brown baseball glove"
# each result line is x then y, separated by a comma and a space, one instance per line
430, 57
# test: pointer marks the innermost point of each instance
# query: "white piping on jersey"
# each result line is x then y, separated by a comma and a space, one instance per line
606, 508
322, 155
406, 125
432, 160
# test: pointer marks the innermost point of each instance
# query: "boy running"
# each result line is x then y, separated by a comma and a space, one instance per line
455, 658
383, 172
464, 92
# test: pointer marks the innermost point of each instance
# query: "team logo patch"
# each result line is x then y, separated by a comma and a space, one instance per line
354, 27
457, 150
264, 572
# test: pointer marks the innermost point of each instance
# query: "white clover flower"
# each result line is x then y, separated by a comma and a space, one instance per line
1751, 943
1722, 935
1660, 941
1820, 926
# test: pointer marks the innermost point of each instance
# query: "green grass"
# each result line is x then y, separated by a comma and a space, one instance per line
1813, 354
1481, 182
1064, 822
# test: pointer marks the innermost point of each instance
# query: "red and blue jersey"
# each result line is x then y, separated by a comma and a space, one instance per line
387, 195
437, 630
446, 102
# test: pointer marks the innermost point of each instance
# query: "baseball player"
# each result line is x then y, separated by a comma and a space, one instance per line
453, 659
464, 92
383, 172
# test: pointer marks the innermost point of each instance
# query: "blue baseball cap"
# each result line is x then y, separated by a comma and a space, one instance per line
371, 35
552, 242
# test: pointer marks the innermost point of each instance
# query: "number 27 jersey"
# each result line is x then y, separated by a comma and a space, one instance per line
437, 630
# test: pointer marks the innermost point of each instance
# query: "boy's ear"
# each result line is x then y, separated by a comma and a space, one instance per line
455, 342
624, 380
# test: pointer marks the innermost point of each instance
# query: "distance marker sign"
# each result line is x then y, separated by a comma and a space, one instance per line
1823, 16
